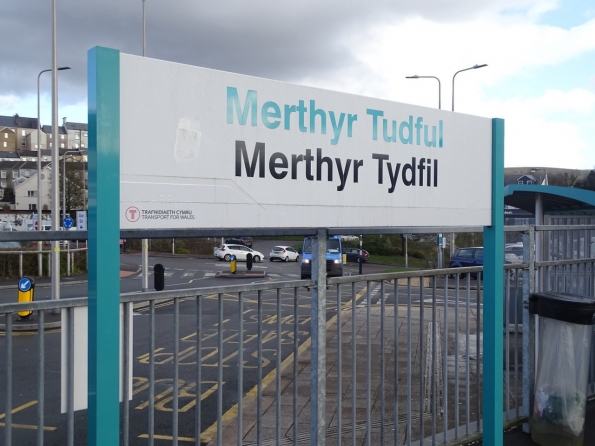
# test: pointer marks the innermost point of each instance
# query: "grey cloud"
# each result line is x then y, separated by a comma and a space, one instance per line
275, 39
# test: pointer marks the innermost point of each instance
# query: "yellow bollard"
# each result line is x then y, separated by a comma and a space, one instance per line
25, 294
344, 258
233, 266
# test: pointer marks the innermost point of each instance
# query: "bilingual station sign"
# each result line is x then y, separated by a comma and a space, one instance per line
201, 148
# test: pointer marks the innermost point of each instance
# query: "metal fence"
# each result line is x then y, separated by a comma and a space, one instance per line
393, 358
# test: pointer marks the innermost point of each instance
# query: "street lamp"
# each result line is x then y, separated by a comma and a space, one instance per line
64, 181
39, 208
544, 169
474, 67
440, 253
439, 86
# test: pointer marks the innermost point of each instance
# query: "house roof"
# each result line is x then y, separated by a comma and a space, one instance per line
34, 153
17, 121
556, 200
76, 126
48, 129
513, 179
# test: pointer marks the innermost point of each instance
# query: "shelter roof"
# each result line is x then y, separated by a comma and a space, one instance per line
557, 200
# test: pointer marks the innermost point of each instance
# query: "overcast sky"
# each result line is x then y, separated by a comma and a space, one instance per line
540, 54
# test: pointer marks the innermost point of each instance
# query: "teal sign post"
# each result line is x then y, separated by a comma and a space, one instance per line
493, 299
104, 251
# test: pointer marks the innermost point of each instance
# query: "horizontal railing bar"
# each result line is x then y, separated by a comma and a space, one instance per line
227, 289
565, 262
257, 232
403, 275
155, 295
219, 232
44, 305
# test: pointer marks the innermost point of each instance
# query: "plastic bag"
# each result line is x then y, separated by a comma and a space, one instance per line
561, 382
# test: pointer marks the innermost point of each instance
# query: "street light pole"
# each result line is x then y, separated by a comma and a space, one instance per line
145, 241
474, 67
39, 209
55, 161
64, 181
439, 86
440, 249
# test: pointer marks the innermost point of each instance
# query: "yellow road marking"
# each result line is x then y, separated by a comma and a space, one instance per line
209, 433
168, 438
25, 426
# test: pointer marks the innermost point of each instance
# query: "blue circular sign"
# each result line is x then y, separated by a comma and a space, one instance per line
24, 284
68, 222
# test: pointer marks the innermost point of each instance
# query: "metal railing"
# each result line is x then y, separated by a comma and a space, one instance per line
402, 357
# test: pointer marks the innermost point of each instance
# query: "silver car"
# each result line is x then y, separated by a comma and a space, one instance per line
284, 253
225, 251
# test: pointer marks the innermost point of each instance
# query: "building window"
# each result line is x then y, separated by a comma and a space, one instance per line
31, 193
15, 174
23, 133
50, 144
85, 158
27, 173
23, 142
62, 137
3, 184
32, 207
5, 144
82, 145
76, 136
6, 136
85, 135
3, 174
76, 146
61, 145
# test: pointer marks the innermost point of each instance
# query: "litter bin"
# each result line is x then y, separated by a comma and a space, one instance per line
565, 333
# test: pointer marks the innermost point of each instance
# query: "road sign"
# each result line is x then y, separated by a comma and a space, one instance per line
25, 284
68, 222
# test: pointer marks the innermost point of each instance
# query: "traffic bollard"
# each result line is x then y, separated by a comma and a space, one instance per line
249, 261
25, 294
232, 265
159, 277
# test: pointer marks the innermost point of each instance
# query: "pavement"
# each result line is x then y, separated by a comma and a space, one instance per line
267, 419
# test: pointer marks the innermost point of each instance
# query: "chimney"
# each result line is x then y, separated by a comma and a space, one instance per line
17, 120
64, 121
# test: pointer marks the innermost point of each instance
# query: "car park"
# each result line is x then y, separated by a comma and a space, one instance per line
225, 251
357, 255
284, 253
246, 241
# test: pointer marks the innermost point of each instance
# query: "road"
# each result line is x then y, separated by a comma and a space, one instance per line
186, 273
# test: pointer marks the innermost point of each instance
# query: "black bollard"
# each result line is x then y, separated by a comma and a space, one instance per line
159, 277
249, 261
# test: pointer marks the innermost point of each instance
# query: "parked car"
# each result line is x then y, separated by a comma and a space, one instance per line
246, 241
473, 256
464, 257
354, 255
225, 251
284, 253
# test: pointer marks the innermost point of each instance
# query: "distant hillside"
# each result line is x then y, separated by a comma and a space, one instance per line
580, 173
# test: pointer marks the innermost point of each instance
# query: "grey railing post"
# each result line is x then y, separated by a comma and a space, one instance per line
318, 352
528, 326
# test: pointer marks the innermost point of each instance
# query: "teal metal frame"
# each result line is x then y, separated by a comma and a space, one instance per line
104, 249
493, 299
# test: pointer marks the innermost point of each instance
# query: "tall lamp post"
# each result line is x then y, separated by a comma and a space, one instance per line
64, 180
474, 67
39, 208
440, 249
145, 241
439, 86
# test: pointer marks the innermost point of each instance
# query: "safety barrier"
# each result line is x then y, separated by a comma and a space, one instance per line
400, 356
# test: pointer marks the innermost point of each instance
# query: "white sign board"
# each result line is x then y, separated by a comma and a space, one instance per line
81, 220
201, 148
80, 374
